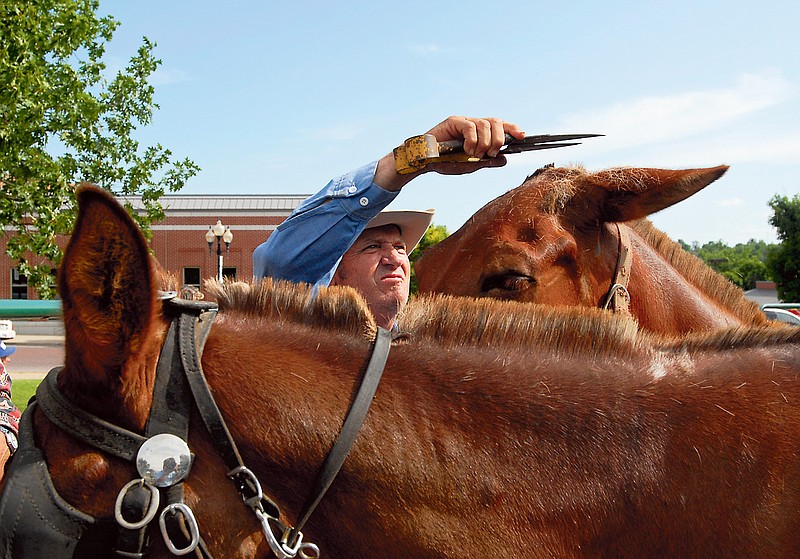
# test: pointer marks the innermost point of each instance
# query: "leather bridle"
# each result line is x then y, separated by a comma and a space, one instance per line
618, 298
179, 381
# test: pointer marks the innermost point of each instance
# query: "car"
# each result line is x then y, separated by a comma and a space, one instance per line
791, 307
7, 330
782, 315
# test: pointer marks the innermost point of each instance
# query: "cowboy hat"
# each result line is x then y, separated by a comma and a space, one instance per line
5, 350
412, 223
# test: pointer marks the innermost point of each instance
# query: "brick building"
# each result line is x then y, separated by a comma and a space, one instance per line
179, 240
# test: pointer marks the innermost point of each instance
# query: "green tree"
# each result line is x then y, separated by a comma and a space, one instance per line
784, 259
435, 234
742, 264
64, 120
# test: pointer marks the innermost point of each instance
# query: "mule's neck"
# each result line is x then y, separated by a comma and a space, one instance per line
684, 307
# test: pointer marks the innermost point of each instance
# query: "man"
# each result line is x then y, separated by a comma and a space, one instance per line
340, 236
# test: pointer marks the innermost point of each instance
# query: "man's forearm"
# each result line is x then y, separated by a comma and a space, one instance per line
387, 177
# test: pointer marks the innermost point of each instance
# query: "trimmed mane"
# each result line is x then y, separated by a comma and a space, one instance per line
737, 337
698, 273
482, 322
340, 308
485, 322
454, 321
561, 185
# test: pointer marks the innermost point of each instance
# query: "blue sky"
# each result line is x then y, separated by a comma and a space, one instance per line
279, 97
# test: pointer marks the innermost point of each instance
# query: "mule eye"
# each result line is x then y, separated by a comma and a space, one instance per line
506, 284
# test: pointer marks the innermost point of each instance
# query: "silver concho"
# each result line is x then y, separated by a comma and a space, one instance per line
164, 460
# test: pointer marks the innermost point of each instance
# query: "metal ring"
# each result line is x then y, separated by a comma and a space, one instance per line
191, 522
300, 548
254, 500
314, 551
155, 498
613, 290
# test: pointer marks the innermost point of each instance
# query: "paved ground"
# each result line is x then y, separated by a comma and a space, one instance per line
35, 355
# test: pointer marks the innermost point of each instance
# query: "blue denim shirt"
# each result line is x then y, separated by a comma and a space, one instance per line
308, 246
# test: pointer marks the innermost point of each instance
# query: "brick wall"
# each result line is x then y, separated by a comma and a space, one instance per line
178, 241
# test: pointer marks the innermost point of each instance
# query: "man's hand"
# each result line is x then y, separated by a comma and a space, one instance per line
483, 137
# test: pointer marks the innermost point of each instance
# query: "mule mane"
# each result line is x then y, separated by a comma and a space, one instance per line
561, 185
698, 273
481, 323
736, 337
485, 322
447, 320
339, 308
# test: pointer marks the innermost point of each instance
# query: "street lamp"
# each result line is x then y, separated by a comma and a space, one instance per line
222, 234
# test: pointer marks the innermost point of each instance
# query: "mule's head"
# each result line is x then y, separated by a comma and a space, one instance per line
114, 331
548, 241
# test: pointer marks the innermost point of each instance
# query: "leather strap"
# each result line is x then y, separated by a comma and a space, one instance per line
84, 425
209, 411
352, 424
618, 298
169, 412
131, 544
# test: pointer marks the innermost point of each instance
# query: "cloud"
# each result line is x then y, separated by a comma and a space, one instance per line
730, 202
428, 49
658, 119
164, 76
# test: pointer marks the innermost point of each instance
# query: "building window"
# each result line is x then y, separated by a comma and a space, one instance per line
191, 276
229, 272
19, 285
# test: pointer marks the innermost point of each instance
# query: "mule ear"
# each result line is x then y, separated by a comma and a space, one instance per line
634, 193
107, 290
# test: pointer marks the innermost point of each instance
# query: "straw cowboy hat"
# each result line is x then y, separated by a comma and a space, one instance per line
412, 223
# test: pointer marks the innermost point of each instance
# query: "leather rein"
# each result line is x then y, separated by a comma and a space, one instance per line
179, 381
618, 298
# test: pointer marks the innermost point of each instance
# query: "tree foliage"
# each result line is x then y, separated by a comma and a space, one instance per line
783, 260
743, 264
63, 120
434, 234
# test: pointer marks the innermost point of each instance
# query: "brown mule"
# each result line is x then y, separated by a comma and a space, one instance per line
556, 240
497, 430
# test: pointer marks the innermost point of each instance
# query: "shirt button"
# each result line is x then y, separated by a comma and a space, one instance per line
352, 189
364, 201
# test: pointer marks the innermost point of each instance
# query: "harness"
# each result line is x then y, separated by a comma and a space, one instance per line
35, 521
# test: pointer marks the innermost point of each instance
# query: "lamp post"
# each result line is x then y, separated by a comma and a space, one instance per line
222, 234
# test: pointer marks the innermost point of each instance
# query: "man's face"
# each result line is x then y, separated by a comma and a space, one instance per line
377, 266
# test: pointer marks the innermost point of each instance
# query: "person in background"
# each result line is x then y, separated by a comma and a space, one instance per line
9, 413
341, 236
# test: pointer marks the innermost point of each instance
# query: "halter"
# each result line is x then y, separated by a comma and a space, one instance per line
36, 522
618, 298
